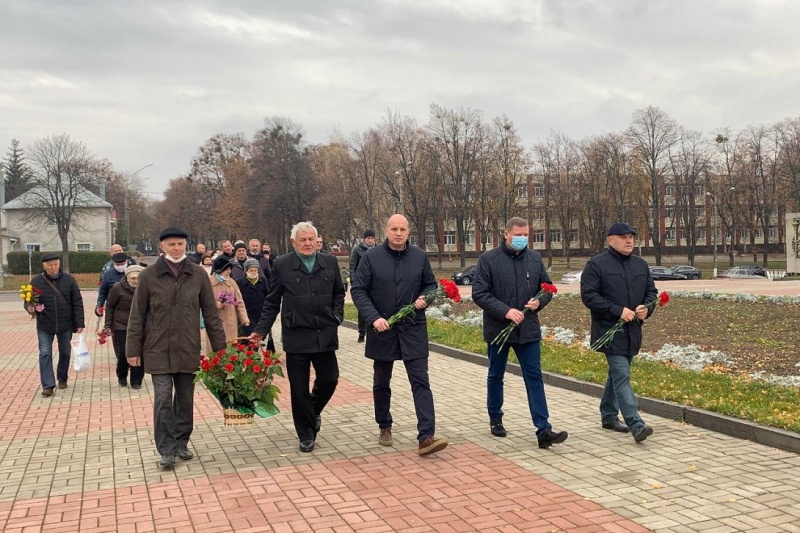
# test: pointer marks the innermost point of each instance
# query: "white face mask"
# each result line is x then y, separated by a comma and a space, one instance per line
252, 276
120, 268
176, 261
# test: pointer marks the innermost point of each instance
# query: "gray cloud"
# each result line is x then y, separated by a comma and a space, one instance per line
145, 81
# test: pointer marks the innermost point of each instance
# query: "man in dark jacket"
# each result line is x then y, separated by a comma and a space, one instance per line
616, 285
59, 315
389, 277
109, 278
355, 259
506, 280
308, 285
164, 336
199, 252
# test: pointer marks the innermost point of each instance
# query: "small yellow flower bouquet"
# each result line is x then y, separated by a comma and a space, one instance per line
31, 294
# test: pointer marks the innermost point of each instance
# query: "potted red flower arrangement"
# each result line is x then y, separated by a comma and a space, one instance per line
241, 377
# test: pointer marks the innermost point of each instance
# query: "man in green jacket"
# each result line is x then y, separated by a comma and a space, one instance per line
164, 336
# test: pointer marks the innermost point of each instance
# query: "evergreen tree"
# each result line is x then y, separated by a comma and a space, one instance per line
18, 175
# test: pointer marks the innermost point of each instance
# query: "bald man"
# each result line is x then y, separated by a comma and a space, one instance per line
388, 276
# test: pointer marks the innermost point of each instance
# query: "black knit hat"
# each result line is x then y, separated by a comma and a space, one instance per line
239, 246
221, 264
369, 232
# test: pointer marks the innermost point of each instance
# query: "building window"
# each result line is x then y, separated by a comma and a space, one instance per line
537, 214
538, 190
699, 190
469, 238
759, 233
669, 190
538, 237
430, 240
84, 247
449, 237
522, 190
773, 233
555, 235
669, 235
699, 212
33, 247
669, 211
487, 238
573, 235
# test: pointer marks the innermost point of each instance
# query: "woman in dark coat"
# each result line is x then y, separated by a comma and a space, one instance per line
253, 287
118, 308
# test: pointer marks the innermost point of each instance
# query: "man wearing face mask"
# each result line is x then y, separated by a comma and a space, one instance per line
506, 280
110, 277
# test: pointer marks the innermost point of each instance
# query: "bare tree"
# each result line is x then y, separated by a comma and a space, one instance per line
762, 160
689, 163
651, 135
61, 173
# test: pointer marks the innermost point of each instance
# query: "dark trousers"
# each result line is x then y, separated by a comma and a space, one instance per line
137, 372
362, 325
172, 412
417, 371
306, 406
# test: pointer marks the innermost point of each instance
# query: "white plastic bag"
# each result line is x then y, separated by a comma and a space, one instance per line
80, 354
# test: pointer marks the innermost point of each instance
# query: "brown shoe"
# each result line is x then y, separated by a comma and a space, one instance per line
385, 438
48, 391
62, 384
431, 444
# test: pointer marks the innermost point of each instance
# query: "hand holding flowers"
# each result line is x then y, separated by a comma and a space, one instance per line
502, 337
608, 336
226, 298
31, 294
445, 289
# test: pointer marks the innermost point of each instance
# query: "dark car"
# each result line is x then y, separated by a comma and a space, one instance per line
755, 269
464, 277
689, 271
664, 273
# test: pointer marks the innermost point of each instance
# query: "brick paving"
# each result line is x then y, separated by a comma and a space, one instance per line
84, 460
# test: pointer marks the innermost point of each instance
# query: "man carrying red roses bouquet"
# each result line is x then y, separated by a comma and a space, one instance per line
512, 287
617, 285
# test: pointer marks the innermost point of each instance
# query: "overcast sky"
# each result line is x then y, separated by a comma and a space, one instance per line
144, 81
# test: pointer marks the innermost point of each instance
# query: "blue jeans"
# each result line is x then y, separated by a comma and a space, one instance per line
46, 356
529, 356
618, 394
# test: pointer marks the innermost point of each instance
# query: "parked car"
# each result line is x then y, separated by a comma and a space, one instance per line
757, 270
664, 273
689, 271
572, 277
464, 277
740, 273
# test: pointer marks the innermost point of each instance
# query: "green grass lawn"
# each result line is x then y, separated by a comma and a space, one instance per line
731, 395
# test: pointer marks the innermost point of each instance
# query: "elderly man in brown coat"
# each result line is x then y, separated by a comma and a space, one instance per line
164, 336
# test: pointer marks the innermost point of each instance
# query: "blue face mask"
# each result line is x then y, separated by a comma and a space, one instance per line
219, 277
519, 243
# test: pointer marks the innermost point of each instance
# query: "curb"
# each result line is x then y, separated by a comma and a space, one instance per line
735, 427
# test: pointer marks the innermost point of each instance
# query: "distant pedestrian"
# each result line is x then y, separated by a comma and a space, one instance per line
164, 336
229, 300
506, 280
109, 278
60, 315
388, 277
355, 258
206, 262
253, 288
118, 309
615, 285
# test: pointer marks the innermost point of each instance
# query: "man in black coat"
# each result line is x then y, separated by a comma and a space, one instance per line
506, 280
389, 277
308, 285
60, 314
355, 258
616, 285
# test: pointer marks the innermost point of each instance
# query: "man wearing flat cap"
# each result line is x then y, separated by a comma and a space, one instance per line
59, 314
164, 336
109, 278
616, 285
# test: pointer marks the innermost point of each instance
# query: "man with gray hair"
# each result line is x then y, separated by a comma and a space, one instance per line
164, 336
309, 287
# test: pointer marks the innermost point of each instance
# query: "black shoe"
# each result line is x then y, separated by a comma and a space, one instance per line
641, 433
62, 384
48, 391
184, 453
497, 428
361, 337
616, 425
551, 437
307, 446
167, 461
136, 386
122, 382
317, 424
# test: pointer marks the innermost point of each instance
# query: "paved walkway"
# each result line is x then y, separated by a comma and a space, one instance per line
84, 460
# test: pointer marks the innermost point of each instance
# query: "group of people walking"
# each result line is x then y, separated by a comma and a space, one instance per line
156, 315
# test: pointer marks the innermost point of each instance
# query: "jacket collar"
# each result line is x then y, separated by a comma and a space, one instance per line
297, 263
513, 253
618, 255
396, 253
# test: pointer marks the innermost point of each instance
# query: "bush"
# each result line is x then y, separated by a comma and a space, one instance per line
79, 262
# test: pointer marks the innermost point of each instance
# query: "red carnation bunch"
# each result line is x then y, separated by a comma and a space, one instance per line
662, 300
446, 289
502, 337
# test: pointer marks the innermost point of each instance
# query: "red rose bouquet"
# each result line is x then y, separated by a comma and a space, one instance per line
502, 337
103, 335
241, 378
608, 336
446, 289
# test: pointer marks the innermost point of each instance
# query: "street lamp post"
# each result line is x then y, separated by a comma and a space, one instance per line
128, 208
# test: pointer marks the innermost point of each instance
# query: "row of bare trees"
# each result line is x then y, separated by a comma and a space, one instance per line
459, 178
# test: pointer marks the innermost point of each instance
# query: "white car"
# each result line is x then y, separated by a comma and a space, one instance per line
572, 277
